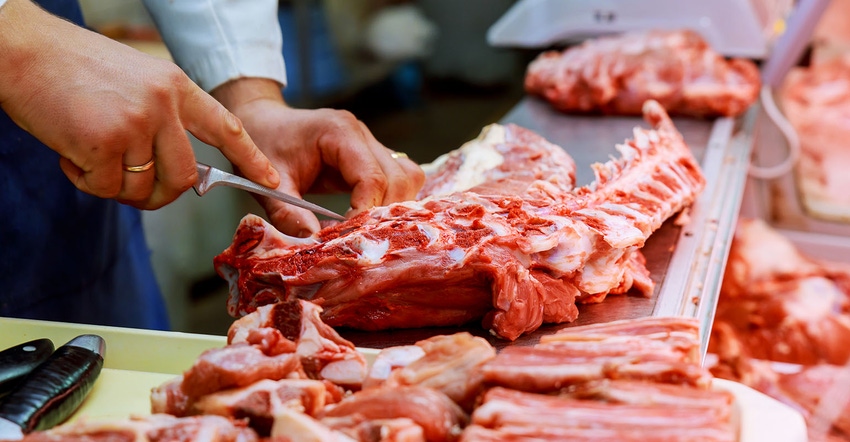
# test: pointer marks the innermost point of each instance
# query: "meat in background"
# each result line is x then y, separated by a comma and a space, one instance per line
816, 100
616, 75
782, 326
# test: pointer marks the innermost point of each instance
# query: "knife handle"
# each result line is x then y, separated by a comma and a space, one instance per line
16, 362
56, 388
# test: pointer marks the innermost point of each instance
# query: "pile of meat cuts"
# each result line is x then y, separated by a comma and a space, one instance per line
500, 234
817, 102
783, 327
286, 376
615, 75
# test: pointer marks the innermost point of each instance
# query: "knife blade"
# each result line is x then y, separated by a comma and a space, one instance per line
51, 392
209, 177
16, 362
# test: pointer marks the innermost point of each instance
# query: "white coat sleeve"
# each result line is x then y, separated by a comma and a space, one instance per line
215, 41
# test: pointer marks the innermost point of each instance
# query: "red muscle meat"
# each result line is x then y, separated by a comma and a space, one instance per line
219, 369
512, 260
615, 75
440, 418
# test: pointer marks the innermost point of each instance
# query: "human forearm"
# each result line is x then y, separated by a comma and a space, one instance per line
25, 29
236, 94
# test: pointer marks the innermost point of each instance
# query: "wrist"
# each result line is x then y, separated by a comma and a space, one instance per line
243, 91
24, 27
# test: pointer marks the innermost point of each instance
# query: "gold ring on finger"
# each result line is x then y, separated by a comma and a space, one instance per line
397, 155
141, 168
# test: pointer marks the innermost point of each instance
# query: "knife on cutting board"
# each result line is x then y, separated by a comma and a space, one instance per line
53, 390
209, 177
18, 361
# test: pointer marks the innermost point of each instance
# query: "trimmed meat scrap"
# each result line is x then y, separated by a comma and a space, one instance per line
361, 429
653, 393
440, 418
286, 340
511, 260
450, 364
220, 369
324, 353
616, 75
153, 428
262, 401
290, 425
618, 350
389, 359
236, 365
514, 415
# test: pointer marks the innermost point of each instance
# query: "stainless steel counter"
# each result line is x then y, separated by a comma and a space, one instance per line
686, 262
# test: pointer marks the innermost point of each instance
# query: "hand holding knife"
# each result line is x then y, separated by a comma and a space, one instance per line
209, 177
53, 390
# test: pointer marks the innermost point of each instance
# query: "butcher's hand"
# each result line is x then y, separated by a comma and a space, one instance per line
318, 151
104, 106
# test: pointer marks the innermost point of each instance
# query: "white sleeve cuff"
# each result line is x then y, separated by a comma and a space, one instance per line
215, 41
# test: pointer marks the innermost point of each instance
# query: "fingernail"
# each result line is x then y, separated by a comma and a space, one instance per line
304, 233
273, 176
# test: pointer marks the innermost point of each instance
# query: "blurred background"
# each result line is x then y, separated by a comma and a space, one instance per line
419, 74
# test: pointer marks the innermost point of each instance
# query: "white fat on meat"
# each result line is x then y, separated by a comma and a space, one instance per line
292, 425
814, 300
265, 398
370, 251
389, 359
479, 156
450, 364
343, 364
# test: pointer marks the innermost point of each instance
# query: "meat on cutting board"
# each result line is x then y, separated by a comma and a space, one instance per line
284, 342
450, 364
324, 353
154, 428
507, 415
513, 251
662, 350
615, 75
417, 401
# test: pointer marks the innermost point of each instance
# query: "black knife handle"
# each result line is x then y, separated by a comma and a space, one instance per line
54, 389
16, 362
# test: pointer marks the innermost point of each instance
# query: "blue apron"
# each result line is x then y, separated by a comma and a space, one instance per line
66, 255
